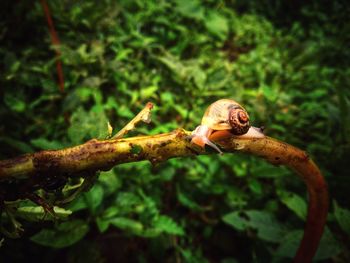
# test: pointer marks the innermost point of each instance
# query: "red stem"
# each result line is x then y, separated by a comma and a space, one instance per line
277, 152
317, 211
56, 42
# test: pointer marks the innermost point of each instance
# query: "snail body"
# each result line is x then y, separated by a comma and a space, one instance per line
222, 115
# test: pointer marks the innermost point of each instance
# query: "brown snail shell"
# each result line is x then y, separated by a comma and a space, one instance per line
226, 114
222, 115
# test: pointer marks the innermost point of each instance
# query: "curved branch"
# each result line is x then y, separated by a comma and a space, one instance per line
97, 155
280, 153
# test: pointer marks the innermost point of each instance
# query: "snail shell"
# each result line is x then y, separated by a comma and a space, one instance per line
226, 114
222, 115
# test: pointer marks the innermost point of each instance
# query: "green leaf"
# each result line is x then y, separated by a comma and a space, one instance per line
16, 144
14, 102
175, 66
289, 244
104, 220
110, 182
240, 169
110, 212
94, 197
266, 170
148, 92
234, 219
45, 144
193, 256
102, 224
87, 125
37, 213
217, 25
15, 66
269, 93
168, 225
127, 201
166, 173
186, 201
267, 227
65, 234
199, 77
255, 186
191, 9
329, 246
236, 197
127, 224
77, 131
318, 93
295, 203
77, 204
342, 216
151, 232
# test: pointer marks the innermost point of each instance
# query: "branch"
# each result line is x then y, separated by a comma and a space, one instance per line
96, 155
281, 153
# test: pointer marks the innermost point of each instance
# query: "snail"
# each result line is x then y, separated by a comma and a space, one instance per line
223, 115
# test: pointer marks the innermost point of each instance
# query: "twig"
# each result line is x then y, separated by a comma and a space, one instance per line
56, 42
144, 115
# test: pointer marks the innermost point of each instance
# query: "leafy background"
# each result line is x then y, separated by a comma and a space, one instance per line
287, 62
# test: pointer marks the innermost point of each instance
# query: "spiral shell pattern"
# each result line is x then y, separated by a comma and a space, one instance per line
239, 121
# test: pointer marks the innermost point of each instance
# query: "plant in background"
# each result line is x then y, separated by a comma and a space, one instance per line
286, 64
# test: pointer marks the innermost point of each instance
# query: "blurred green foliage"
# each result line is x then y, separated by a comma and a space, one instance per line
285, 61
